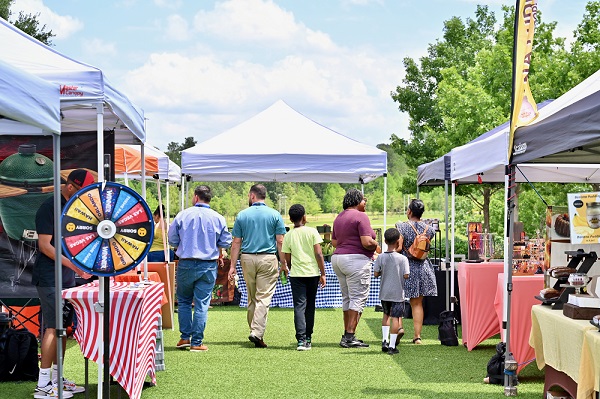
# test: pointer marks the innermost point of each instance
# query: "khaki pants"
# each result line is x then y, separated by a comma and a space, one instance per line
260, 273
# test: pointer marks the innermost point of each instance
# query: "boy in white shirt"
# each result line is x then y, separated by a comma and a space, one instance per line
393, 269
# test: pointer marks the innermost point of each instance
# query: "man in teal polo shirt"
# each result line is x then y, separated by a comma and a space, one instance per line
258, 235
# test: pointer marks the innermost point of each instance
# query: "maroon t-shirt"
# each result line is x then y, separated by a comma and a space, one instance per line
348, 226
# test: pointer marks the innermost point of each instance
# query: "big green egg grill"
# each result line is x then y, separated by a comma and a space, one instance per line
26, 181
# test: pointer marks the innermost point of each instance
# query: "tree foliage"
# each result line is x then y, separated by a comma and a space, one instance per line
462, 88
28, 23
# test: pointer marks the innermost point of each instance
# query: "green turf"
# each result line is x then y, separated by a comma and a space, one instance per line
233, 368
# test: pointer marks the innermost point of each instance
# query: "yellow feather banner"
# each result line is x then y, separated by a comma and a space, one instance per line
524, 109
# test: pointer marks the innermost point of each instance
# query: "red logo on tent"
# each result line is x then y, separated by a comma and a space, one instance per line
70, 91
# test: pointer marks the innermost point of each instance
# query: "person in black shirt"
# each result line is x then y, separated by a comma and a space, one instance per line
43, 279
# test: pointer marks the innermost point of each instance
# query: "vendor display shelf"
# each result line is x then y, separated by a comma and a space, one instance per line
581, 262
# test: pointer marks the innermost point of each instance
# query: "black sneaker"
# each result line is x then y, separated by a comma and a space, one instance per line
356, 343
384, 346
308, 343
343, 342
393, 351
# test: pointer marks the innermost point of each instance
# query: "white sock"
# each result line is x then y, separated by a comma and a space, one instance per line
54, 374
44, 377
393, 340
385, 332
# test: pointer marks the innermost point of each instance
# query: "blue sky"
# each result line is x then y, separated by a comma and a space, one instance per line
198, 68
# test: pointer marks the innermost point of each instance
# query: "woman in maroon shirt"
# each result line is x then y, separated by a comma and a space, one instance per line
354, 242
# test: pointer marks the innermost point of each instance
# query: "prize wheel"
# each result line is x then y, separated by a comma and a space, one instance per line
107, 229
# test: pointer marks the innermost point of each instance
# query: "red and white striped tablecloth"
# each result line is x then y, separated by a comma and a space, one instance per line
133, 324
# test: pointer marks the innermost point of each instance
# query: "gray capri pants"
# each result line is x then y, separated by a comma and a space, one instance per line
354, 274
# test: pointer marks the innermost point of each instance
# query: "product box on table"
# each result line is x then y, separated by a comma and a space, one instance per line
589, 300
579, 313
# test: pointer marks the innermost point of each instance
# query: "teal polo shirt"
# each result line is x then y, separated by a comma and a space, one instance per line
257, 226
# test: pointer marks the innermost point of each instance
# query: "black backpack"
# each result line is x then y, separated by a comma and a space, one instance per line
495, 367
18, 356
447, 329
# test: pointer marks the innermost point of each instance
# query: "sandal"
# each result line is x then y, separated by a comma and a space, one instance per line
417, 341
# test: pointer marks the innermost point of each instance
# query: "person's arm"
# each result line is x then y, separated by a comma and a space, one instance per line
406, 276
369, 243
288, 259
236, 244
282, 259
321, 264
377, 268
47, 249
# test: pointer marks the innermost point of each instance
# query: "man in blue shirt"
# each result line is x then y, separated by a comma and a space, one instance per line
258, 234
199, 233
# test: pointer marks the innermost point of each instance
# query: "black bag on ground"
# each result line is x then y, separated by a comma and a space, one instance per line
495, 367
447, 329
18, 356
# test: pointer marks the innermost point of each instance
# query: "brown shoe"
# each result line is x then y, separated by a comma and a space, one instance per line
258, 342
183, 343
200, 348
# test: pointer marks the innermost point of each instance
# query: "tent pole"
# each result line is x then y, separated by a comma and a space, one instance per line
384, 202
452, 246
103, 383
60, 332
510, 185
143, 156
446, 258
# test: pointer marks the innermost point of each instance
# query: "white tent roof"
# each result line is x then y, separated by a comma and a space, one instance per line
81, 86
280, 144
486, 156
28, 99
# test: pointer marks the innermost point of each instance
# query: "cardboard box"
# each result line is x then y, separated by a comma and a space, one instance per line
579, 313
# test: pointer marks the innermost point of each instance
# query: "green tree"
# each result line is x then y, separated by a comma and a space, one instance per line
332, 199
28, 23
174, 149
307, 198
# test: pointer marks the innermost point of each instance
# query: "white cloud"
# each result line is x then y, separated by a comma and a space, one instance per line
172, 4
259, 21
62, 26
347, 91
98, 48
177, 28
361, 2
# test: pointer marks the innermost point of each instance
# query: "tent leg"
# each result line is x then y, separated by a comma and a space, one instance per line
510, 366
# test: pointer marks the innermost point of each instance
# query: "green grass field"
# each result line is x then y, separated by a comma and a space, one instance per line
233, 368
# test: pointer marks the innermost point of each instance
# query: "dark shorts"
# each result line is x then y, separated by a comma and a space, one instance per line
48, 306
393, 309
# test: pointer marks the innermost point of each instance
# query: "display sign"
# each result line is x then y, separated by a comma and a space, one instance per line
584, 217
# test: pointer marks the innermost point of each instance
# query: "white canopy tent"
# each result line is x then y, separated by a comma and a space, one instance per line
87, 103
281, 145
28, 99
82, 88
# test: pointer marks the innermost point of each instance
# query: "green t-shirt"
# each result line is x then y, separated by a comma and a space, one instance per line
300, 242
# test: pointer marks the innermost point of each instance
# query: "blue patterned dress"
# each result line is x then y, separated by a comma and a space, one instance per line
421, 281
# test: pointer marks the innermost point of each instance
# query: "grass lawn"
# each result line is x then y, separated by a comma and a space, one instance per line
233, 368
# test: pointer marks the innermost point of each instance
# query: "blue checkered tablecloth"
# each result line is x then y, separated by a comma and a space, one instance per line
328, 297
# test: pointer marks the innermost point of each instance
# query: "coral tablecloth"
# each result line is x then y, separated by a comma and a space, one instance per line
477, 285
522, 299
133, 325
